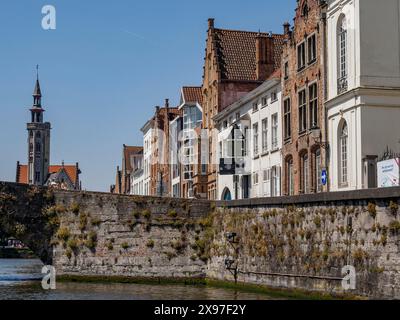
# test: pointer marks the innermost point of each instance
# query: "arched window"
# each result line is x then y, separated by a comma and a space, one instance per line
342, 54
305, 173
289, 176
226, 195
343, 153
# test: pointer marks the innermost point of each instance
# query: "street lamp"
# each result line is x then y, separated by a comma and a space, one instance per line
317, 136
230, 236
230, 263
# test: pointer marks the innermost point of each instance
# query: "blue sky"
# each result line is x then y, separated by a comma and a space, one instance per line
104, 69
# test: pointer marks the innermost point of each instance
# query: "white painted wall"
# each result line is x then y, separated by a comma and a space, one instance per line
264, 160
371, 105
147, 151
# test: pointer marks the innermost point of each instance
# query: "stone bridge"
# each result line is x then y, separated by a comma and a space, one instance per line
50, 221
290, 242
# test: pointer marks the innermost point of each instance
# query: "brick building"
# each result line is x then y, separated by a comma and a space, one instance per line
160, 168
131, 159
303, 83
236, 62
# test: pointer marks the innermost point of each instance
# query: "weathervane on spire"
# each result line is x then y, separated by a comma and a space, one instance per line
37, 72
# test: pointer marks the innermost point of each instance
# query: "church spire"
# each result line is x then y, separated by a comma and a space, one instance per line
37, 93
38, 140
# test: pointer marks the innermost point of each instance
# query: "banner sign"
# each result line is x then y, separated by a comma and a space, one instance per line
389, 173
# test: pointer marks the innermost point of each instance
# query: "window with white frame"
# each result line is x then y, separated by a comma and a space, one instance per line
275, 181
255, 178
305, 174
265, 135
274, 96
312, 49
255, 139
264, 102
290, 176
286, 70
287, 119
302, 111
255, 106
301, 56
342, 55
246, 142
274, 119
266, 183
343, 154
313, 105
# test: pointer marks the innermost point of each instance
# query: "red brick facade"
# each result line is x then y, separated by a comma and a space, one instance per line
303, 83
236, 62
160, 176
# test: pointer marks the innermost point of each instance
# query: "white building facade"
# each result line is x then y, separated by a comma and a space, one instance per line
363, 105
137, 176
250, 143
147, 152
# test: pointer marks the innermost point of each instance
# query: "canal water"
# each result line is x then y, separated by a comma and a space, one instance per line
21, 279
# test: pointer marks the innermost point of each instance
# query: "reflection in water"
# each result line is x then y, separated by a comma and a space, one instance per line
16, 283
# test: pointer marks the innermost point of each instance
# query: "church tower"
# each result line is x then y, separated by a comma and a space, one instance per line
38, 141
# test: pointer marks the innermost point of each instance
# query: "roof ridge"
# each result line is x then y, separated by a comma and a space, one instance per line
246, 31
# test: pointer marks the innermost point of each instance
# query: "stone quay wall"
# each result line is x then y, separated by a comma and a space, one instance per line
304, 242
300, 242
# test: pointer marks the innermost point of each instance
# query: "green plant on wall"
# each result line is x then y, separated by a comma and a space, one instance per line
83, 220
63, 234
73, 244
172, 213
372, 209
146, 214
394, 226
150, 243
317, 222
125, 245
91, 241
393, 207
75, 207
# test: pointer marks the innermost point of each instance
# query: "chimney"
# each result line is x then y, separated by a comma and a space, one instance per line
286, 28
211, 23
18, 172
264, 56
166, 103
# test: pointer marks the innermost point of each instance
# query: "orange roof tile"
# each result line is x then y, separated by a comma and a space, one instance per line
192, 94
71, 170
236, 53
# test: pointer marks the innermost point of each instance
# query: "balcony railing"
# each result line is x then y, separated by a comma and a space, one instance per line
342, 85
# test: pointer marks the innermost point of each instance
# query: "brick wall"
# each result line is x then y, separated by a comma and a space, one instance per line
302, 143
